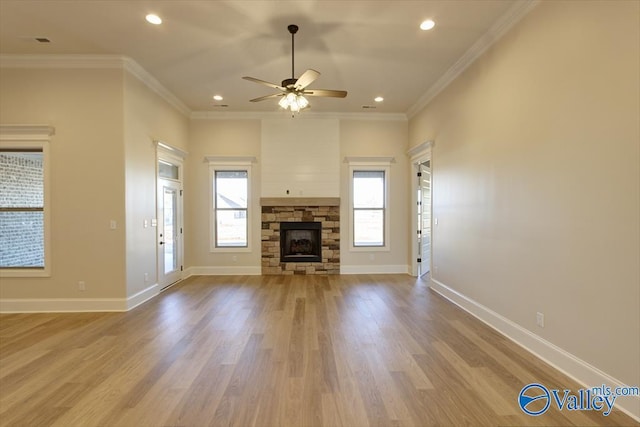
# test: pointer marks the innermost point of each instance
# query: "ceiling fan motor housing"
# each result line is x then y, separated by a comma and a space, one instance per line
289, 83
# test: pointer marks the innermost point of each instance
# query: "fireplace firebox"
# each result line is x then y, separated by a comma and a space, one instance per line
300, 242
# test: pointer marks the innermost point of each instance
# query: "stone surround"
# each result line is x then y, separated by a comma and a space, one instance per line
272, 216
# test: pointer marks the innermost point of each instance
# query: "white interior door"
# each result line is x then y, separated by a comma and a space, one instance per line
169, 231
424, 217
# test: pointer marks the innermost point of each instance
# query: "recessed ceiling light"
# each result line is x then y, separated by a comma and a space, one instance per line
427, 25
218, 97
153, 19
378, 99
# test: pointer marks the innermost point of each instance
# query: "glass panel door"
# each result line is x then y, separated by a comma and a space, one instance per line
169, 232
169, 224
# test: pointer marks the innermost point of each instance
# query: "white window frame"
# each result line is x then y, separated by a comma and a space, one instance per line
229, 164
37, 137
382, 164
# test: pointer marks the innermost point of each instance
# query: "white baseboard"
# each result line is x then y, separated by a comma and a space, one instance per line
579, 370
142, 296
75, 305
61, 305
223, 271
374, 269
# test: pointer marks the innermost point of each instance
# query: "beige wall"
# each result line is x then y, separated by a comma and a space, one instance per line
536, 180
87, 177
147, 117
369, 138
226, 137
219, 138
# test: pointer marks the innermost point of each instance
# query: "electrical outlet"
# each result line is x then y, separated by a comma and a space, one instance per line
540, 319
146, 277
82, 286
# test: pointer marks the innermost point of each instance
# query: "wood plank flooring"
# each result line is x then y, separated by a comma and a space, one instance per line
364, 350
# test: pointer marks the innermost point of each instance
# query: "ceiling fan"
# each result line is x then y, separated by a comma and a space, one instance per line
293, 91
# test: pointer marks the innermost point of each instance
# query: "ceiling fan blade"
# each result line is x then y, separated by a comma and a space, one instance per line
325, 92
262, 82
306, 79
262, 98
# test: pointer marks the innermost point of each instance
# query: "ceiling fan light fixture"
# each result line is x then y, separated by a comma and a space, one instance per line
293, 102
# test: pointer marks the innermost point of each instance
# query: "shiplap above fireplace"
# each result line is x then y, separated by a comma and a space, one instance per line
300, 157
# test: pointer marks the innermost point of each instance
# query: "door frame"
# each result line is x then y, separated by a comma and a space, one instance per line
175, 156
419, 154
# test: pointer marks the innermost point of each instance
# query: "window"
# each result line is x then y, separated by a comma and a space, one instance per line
24, 213
231, 205
368, 208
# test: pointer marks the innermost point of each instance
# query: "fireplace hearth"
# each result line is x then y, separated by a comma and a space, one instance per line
300, 242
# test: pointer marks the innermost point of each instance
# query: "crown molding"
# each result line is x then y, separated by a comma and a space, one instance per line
82, 61
230, 115
61, 61
499, 29
152, 83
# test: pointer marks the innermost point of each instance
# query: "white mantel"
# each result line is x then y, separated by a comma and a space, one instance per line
300, 201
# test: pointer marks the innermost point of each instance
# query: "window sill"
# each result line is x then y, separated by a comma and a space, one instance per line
385, 248
25, 272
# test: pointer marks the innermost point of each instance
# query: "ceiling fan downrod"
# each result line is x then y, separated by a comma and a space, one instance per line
293, 29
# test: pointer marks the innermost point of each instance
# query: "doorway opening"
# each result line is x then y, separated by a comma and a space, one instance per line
169, 208
424, 217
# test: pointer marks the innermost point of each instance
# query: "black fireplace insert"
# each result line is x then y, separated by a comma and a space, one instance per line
300, 242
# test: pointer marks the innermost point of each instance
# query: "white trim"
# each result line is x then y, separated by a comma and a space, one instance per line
223, 271
16, 60
371, 164
231, 160
61, 305
374, 269
369, 161
39, 137
162, 146
418, 154
152, 83
143, 296
82, 61
230, 164
421, 150
575, 368
26, 132
77, 305
240, 115
504, 23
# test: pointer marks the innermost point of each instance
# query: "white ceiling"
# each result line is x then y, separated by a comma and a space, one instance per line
369, 48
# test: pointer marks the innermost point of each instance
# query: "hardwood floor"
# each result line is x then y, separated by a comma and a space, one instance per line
365, 350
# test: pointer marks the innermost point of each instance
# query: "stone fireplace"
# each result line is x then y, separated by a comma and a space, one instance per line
300, 236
